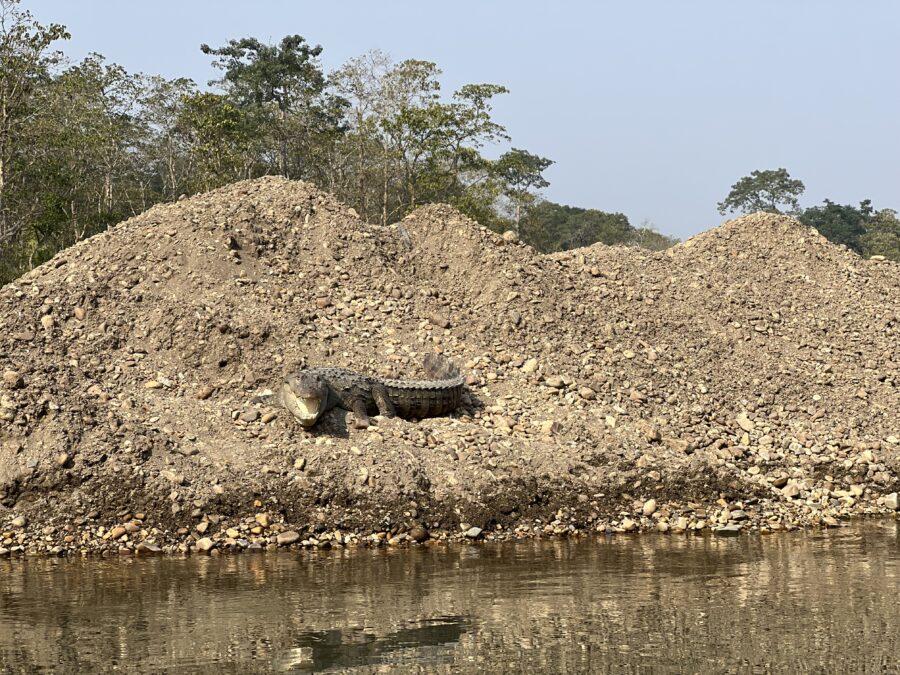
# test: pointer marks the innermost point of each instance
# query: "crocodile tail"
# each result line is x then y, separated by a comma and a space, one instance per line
439, 367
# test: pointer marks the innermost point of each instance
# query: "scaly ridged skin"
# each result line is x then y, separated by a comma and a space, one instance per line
363, 394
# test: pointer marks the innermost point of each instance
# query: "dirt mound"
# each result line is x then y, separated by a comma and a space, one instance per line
752, 370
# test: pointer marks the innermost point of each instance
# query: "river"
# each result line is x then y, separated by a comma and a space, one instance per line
822, 601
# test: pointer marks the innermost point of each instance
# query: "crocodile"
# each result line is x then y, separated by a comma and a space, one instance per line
310, 393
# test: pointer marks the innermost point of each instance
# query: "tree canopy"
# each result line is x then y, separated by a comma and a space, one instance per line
840, 223
552, 227
84, 145
764, 191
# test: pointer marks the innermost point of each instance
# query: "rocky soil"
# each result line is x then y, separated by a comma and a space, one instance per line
745, 380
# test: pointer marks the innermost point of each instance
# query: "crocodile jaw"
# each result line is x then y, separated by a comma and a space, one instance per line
306, 410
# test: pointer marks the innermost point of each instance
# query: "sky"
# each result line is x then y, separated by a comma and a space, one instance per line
648, 108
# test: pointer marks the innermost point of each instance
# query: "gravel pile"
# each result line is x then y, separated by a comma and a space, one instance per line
746, 379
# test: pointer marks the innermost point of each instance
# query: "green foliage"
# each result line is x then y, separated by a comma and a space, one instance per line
520, 173
285, 89
763, 191
552, 227
85, 170
840, 223
25, 65
882, 236
257, 73
84, 146
861, 229
220, 137
165, 145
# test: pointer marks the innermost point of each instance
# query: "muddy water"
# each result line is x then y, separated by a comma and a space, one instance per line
820, 601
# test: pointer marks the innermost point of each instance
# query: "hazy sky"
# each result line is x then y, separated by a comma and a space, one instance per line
653, 109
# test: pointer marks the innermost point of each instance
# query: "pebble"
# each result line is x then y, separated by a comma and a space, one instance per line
790, 491
203, 393
172, 477
13, 379
205, 544
287, 538
745, 422
652, 434
418, 534
473, 532
730, 530
892, 501
649, 507
439, 320
19, 521
262, 519
550, 427
530, 366
250, 415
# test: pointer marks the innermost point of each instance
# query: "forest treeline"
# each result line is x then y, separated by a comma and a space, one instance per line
85, 145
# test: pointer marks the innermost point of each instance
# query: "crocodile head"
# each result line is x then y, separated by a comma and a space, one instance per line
305, 396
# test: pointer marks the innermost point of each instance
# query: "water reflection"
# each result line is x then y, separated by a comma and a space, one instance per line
815, 601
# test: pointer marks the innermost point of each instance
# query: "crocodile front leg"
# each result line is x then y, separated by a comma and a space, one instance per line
383, 401
360, 414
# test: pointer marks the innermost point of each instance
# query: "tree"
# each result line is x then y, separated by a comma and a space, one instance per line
166, 152
81, 175
362, 83
840, 223
552, 227
882, 235
220, 137
763, 191
287, 82
436, 145
647, 236
521, 173
25, 62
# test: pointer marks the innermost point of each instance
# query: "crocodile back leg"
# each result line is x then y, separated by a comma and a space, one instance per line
439, 367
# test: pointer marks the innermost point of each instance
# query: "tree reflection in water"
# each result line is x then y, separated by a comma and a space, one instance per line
801, 601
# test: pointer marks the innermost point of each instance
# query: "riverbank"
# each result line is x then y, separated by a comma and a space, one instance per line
745, 380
